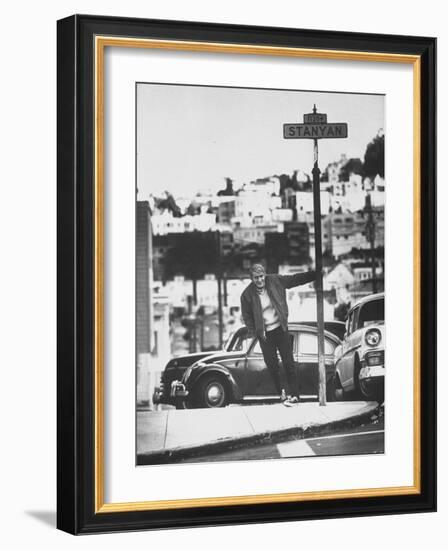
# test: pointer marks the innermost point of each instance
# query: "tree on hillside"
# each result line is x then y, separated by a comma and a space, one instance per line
193, 255
352, 166
374, 158
228, 191
168, 203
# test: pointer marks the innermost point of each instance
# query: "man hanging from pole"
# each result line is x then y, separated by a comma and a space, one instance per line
265, 313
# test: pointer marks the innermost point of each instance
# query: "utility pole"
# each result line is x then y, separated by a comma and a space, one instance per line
219, 281
330, 226
220, 313
315, 127
370, 235
202, 334
224, 281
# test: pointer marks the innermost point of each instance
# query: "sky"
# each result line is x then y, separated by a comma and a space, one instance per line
190, 138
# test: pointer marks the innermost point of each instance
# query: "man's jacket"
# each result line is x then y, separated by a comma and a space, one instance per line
276, 286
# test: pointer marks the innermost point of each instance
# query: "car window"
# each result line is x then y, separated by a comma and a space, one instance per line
257, 347
230, 342
294, 336
349, 323
308, 344
355, 319
236, 341
241, 343
371, 313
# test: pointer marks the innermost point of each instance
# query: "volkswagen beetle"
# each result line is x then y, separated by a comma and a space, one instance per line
176, 367
241, 375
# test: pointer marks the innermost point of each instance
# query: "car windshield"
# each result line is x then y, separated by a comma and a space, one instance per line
308, 344
238, 341
371, 312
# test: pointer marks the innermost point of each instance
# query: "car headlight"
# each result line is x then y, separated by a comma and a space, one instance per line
373, 337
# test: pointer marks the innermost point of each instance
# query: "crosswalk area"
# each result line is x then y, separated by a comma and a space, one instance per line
340, 444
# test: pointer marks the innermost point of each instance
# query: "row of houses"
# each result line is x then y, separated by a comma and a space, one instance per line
341, 281
260, 209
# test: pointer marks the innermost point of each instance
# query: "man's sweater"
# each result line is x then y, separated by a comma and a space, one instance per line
276, 286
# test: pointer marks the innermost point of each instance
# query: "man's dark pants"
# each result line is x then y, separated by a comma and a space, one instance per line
280, 340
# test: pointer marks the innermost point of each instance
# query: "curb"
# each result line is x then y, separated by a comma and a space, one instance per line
176, 454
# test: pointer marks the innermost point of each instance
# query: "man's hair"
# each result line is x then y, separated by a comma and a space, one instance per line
257, 268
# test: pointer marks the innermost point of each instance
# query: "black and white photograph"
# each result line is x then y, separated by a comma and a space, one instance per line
260, 239
190, 360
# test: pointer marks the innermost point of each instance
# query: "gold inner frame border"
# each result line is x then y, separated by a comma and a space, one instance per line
100, 43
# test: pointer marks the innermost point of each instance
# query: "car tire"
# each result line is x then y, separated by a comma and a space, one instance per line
360, 388
363, 392
212, 392
372, 392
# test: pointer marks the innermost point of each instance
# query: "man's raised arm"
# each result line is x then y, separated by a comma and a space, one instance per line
290, 281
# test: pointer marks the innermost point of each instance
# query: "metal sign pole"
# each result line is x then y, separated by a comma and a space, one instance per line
319, 285
315, 126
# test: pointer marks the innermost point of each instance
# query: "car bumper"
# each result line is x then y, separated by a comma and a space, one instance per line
372, 373
176, 390
159, 396
372, 365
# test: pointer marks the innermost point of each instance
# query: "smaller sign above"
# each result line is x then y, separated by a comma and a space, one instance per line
315, 131
315, 118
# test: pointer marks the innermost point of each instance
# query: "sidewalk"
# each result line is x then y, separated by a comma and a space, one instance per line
167, 436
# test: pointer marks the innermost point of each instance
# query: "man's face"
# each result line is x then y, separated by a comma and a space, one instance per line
258, 278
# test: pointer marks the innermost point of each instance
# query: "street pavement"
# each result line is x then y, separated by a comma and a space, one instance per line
365, 439
171, 435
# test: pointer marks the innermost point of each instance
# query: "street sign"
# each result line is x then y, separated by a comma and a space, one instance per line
315, 131
315, 118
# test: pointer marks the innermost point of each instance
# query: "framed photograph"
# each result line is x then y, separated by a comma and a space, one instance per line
246, 215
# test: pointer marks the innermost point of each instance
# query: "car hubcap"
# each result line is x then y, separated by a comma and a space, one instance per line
215, 394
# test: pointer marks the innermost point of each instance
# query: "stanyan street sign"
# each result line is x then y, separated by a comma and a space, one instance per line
315, 131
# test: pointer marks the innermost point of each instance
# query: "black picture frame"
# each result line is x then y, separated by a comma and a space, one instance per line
77, 511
